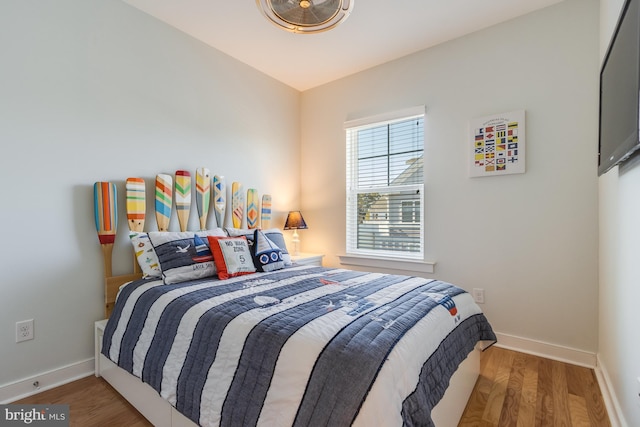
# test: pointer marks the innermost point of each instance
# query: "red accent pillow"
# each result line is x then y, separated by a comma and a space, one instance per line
231, 256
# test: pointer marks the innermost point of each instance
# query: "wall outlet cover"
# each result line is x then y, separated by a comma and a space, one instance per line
478, 295
24, 330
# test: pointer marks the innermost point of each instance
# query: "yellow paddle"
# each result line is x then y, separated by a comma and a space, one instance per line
237, 204
136, 204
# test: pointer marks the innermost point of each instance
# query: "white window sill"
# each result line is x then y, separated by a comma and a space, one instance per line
388, 263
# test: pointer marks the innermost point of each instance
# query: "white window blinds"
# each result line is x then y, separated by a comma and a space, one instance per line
385, 183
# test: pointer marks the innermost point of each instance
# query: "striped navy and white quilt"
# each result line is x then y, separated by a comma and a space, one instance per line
302, 346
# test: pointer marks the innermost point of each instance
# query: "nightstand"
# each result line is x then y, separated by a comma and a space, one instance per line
307, 259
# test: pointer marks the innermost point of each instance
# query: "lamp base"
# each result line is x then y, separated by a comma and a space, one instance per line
296, 243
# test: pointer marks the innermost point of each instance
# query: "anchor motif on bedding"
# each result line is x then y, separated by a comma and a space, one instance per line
376, 316
330, 306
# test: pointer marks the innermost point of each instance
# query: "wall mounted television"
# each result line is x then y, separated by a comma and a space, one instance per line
620, 91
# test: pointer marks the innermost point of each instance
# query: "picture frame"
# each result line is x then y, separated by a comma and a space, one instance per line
497, 144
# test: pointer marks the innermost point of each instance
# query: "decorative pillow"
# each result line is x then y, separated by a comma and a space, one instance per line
246, 232
231, 256
145, 254
267, 256
274, 234
236, 232
184, 255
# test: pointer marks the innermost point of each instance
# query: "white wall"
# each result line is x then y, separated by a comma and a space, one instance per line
529, 240
619, 349
93, 91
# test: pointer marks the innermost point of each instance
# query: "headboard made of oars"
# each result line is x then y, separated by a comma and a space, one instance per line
106, 213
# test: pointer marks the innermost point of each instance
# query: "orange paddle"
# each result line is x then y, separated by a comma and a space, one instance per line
252, 208
105, 207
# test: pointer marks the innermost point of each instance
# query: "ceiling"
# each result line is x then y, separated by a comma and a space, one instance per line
377, 31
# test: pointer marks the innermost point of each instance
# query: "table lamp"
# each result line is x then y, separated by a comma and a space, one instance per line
295, 222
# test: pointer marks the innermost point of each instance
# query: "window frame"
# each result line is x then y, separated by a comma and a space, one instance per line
351, 127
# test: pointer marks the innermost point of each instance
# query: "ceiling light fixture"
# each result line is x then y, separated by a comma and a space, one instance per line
306, 16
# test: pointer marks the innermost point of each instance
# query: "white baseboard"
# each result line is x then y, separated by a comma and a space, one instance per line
608, 394
46, 380
547, 350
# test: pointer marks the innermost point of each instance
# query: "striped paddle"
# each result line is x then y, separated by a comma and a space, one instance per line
105, 208
265, 212
164, 200
136, 210
136, 204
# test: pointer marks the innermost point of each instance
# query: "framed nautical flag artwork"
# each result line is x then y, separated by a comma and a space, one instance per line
497, 144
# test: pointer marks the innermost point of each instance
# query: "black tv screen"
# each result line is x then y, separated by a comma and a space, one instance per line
619, 91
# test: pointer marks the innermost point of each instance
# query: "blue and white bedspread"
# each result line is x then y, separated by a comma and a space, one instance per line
303, 346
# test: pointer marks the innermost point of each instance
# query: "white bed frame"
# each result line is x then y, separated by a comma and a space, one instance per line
159, 412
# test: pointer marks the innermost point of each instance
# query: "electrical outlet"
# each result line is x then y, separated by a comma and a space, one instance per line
478, 295
24, 330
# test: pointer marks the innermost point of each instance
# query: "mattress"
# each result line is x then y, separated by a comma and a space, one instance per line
300, 346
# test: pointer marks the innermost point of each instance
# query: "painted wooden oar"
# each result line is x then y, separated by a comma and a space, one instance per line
164, 200
136, 203
252, 208
183, 198
203, 195
219, 199
265, 212
105, 207
237, 204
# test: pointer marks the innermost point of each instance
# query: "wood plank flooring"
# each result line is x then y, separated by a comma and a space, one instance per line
92, 402
514, 389
521, 390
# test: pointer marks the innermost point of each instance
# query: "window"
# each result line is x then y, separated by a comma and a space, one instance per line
411, 211
385, 183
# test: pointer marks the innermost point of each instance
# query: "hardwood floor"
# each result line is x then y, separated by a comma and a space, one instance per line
517, 389
92, 402
514, 389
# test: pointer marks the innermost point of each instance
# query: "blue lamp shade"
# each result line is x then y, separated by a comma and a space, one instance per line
295, 221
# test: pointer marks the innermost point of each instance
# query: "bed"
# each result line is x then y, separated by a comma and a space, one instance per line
290, 345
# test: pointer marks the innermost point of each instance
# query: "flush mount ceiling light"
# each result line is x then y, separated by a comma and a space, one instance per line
306, 16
